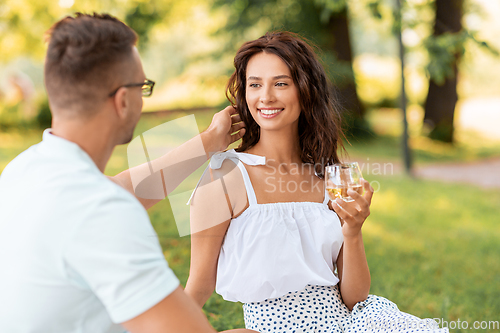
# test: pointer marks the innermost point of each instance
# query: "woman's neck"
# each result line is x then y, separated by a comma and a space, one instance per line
278, 148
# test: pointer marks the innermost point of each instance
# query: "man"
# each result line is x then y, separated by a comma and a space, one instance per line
78, 252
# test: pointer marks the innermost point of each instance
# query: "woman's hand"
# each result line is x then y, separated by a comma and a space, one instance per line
352, 266
353, 214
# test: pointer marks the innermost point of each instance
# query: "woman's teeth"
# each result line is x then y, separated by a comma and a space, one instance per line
269, 112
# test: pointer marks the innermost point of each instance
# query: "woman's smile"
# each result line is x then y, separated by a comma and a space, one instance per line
269, 112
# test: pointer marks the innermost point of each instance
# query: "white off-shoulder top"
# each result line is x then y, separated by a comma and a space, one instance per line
275, 248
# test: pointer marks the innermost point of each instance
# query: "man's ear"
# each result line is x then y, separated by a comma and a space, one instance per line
121, 102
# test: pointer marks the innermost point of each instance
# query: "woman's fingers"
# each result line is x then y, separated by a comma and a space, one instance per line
350, 208
340, 211
368, 191
359, 209
354, 213
360, 205
363, 200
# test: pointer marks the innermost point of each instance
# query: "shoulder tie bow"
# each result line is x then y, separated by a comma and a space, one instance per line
218, 158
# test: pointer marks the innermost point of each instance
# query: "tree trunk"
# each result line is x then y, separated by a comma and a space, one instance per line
340, 44
441, 99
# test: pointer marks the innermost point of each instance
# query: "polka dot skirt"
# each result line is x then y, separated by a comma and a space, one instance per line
319, 309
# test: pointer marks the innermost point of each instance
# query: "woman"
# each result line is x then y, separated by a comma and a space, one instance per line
263, 231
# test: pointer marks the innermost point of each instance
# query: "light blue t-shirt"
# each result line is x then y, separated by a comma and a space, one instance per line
77, 252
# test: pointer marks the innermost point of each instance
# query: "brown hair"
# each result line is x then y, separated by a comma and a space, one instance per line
320, 132
83, 56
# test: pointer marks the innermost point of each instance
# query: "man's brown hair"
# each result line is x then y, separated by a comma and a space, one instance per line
86, 60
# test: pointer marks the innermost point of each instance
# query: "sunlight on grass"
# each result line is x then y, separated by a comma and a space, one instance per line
469, 145
387, 202
432, 147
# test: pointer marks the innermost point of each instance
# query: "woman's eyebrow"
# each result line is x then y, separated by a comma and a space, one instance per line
284, 76
277, 77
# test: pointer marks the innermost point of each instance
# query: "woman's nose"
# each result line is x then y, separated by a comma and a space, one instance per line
267, 95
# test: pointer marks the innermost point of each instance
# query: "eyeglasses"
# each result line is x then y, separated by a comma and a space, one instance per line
146, 86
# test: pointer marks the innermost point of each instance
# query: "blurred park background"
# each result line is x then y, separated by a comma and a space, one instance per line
432, 246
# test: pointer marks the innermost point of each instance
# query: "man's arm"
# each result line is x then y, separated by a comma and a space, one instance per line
226, 128
175, 313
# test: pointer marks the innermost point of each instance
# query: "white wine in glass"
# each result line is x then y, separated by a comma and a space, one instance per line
342, 177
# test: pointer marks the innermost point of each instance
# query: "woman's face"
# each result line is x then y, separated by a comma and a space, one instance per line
272, 96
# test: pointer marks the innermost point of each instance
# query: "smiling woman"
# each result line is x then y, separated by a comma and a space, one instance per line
273, 240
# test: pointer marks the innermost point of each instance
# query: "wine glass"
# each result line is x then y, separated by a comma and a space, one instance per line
343, 176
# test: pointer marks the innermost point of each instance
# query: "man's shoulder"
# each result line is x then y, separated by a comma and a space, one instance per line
99, 205
102, 193
63, 182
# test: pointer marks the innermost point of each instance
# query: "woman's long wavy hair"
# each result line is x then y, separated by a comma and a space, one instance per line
320, 132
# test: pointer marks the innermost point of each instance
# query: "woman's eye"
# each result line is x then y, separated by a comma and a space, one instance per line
281, 84
253, 85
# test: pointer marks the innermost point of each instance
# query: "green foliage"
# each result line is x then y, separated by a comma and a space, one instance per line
142, 18
258, 16
44, 117
10, 117
375, 9
442, 132
356, 128
307, 18
23, 22
340, 72
330, 7
443, 52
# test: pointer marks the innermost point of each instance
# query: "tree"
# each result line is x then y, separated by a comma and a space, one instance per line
340, 44
445, 47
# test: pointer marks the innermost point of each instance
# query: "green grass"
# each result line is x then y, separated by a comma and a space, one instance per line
432, 247
423, 150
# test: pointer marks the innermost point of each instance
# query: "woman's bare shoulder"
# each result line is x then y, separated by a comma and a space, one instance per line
226, 179
235, 187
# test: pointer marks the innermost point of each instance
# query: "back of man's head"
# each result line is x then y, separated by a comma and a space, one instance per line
87, 58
